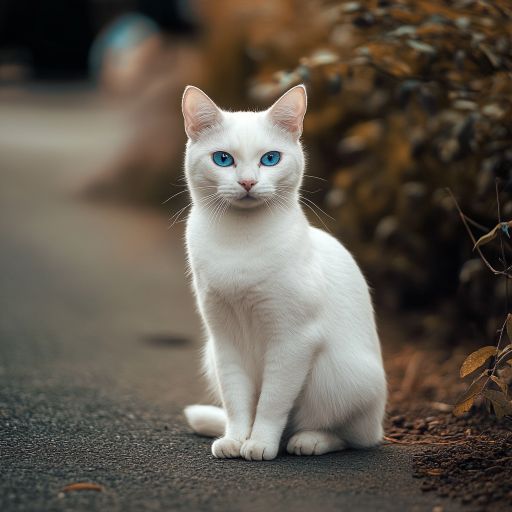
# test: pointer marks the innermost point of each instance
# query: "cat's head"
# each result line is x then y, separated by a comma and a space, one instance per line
244, 159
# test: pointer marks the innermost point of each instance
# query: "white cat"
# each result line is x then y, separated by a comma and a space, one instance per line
292, 349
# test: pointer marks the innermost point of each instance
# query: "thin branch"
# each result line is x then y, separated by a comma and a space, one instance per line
502, 247
477, 225
470, 233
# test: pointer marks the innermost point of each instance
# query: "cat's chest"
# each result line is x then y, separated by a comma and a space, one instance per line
238, 258
233, 271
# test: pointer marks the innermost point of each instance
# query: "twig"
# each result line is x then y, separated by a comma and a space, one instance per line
470, 233
477, 225
503, 256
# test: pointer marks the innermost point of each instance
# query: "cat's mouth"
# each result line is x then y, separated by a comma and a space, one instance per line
247, 201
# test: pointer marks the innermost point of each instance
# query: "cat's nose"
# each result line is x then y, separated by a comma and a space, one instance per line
247, 184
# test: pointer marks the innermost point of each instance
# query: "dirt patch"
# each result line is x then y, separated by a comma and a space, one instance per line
477, 471
467, 458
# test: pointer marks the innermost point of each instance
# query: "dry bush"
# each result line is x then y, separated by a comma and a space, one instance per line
493, 382
407, 98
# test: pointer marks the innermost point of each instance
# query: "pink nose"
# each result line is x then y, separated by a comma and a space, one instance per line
247, 184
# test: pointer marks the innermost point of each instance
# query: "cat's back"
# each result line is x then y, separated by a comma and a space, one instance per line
348, 311
331, 250
339, 268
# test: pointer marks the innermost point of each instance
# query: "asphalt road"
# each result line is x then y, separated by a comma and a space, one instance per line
99, 350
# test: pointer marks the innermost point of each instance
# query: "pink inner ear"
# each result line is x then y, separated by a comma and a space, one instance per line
288, 111
203, 118
199, 111
287, 119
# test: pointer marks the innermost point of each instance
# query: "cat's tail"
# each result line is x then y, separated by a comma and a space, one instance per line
206, 420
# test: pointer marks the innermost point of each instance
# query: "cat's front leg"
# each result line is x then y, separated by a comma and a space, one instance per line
237, 388
287, 363
237, 393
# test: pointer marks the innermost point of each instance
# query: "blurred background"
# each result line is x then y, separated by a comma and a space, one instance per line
406, 99
99, 338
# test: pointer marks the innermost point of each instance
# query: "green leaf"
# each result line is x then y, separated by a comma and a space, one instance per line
476, 360
502, 406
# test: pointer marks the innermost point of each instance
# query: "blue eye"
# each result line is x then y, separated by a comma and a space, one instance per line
223, 159
271, 158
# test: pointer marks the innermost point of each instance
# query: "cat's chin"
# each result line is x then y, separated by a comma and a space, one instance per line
247, 203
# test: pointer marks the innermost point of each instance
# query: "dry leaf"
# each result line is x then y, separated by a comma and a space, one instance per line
435, 472
507, 348
476, 360
463, 407
502, 406
83, 486
509, 327
468, 397
488, 237
502, 385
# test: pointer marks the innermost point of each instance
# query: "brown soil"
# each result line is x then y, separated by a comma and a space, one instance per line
467, 458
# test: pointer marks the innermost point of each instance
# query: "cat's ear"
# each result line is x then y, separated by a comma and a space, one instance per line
289, 110
199, 112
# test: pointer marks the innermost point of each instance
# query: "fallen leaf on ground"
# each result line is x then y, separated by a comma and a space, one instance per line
83, 486
434, 472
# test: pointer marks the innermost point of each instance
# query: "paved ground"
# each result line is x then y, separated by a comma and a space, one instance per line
99, 346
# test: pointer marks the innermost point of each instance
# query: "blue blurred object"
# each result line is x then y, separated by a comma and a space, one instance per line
121, 36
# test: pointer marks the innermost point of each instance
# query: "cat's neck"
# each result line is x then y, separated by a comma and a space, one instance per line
259, 222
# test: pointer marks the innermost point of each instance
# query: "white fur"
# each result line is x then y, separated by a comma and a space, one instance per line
292, 349
207, 420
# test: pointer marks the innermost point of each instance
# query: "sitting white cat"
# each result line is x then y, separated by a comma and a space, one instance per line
292, 350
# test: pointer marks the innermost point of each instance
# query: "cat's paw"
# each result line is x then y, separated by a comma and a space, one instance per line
309, 442
258, 450
226, 448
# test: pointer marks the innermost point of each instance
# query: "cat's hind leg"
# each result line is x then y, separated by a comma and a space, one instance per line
314, 442
365, 430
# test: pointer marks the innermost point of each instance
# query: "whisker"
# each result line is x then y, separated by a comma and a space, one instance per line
220, 211
316, 214
267, 205
318, 207
315, 177
176, 216
183, 191
226, 206
173, 196
214, 208
280, 201
291, 187
311, 191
